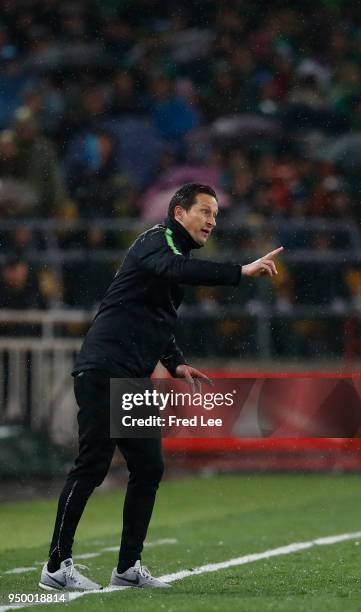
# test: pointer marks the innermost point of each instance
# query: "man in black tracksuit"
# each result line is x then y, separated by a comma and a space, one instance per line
133, 330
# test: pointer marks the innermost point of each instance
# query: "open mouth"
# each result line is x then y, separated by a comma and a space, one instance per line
205, 232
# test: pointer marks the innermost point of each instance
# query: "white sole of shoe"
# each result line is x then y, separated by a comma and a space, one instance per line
48, 588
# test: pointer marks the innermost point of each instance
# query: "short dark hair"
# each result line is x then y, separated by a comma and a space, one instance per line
187, 194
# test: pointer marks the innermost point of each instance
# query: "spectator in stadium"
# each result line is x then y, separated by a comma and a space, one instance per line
86, 281
9, 158
132, 330
13, 196
39, 163
320, 282
346, 88
47, 103
125, 99
89, 112
13, 80
19, 288
225, 96
93, 175
23, 240
173, 115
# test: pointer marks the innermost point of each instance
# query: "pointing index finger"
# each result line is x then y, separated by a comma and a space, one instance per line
275, 252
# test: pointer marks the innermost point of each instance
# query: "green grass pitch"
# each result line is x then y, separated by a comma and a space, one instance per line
213, 520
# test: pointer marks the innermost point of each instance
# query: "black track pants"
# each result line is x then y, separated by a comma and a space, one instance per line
96, 449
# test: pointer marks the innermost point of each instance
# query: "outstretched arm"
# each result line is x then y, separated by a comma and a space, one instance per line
155, 254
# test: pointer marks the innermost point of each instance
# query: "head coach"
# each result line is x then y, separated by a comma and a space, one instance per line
133, 330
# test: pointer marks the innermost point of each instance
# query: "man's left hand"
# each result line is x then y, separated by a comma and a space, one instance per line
192, 376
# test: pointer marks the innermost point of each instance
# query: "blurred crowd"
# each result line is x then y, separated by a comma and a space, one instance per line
107, 106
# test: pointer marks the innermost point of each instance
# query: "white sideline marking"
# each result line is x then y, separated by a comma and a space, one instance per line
116, 548
215, 567
91, 555
147, 544
161, 542
20, 570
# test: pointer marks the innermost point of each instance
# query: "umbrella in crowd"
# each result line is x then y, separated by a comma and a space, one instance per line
245, 127
345, 151
57, 57
155, 201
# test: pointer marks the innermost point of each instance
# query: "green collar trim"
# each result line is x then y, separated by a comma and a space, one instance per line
170, 241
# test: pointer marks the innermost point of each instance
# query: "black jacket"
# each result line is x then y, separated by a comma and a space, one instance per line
134, 326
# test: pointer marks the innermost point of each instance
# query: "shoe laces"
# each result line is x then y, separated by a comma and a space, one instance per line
144, 571
72, 569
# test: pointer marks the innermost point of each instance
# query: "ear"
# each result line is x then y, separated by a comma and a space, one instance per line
178, 213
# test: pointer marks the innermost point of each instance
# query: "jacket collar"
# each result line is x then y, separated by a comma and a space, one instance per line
181, 236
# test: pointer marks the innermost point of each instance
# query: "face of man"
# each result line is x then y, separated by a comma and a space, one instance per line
200, 219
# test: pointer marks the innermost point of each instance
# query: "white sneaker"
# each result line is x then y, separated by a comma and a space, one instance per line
66, 578
136, 576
